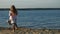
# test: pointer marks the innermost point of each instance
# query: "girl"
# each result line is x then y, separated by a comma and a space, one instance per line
13, 17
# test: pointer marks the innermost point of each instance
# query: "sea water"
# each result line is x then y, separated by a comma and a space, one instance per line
33, 19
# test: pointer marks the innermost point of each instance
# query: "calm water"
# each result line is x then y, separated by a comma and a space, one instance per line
34, 18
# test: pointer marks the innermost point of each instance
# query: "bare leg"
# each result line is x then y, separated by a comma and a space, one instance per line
16, 27
13, 27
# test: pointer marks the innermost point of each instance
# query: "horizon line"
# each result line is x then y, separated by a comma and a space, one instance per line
32, 8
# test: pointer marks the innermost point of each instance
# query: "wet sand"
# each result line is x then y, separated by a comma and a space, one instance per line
22, 30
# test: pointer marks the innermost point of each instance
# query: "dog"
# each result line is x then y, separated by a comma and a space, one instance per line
9, 22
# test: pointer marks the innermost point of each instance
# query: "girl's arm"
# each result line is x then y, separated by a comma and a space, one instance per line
10, 13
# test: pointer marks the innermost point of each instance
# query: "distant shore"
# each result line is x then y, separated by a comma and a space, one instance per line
32, 8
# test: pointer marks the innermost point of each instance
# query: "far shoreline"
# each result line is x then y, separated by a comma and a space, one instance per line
32, 8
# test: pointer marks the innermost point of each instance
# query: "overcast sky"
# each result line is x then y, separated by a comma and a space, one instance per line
30, 3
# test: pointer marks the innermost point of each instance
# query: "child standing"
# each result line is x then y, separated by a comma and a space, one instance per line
13, 17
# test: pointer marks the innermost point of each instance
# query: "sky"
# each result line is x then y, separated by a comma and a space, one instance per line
30, 3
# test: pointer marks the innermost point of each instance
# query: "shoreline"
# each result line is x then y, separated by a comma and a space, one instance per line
22, 30
32, 8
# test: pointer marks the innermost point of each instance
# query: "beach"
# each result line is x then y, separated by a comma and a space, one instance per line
22, 30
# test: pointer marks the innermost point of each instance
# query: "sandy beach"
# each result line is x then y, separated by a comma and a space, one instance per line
22, 30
